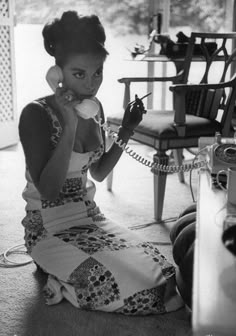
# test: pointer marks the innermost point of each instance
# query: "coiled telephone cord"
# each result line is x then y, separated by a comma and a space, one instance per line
6, 262
150, 164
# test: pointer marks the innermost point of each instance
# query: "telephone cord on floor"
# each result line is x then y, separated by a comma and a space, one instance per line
17, 249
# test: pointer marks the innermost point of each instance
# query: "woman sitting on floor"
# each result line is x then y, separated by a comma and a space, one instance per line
90, 261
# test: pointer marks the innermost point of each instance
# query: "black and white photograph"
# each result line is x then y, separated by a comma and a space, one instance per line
117, 168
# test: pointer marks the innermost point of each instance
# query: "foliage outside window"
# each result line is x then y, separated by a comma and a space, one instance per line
127, 16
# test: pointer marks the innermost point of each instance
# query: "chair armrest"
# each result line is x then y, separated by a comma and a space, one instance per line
180, 91
191, 87
128, 80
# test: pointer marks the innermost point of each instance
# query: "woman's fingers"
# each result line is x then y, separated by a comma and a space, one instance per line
60, 91
66, 97
139, 105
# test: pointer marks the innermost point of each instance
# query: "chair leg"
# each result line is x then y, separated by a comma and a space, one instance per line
159, 180
178, 157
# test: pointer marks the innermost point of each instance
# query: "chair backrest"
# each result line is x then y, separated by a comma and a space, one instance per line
217, 52
204, 103
210, 101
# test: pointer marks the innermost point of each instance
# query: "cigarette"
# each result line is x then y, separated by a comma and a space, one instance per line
148, 94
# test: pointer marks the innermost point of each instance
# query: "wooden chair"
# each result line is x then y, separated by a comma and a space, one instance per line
199, 110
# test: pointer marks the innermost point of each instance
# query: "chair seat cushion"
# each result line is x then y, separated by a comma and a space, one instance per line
160, 125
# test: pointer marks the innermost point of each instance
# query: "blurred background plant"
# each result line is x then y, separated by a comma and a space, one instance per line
127, 16
201, 15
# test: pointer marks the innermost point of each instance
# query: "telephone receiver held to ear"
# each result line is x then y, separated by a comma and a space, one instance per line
87, 109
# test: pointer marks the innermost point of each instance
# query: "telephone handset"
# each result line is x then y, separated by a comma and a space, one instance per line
87, 109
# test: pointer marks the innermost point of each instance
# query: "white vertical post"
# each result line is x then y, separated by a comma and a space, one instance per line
151, 65
157, 6
229, 15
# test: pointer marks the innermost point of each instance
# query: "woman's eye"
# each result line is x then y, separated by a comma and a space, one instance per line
79, 75
99, 72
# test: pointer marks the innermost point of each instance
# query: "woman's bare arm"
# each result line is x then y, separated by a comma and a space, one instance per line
100, 169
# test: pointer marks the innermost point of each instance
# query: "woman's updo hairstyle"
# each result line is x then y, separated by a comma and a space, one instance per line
73, 34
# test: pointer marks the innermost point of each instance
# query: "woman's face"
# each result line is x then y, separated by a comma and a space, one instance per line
83, 74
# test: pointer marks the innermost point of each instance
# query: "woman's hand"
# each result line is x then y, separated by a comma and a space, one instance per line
133, 114
66, 101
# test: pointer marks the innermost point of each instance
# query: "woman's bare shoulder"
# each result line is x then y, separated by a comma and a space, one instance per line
34, 123
34, 116
32, 112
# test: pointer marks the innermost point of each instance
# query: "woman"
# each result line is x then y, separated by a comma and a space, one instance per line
90, 261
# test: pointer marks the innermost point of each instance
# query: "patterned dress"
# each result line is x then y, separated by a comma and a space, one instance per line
90, 261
